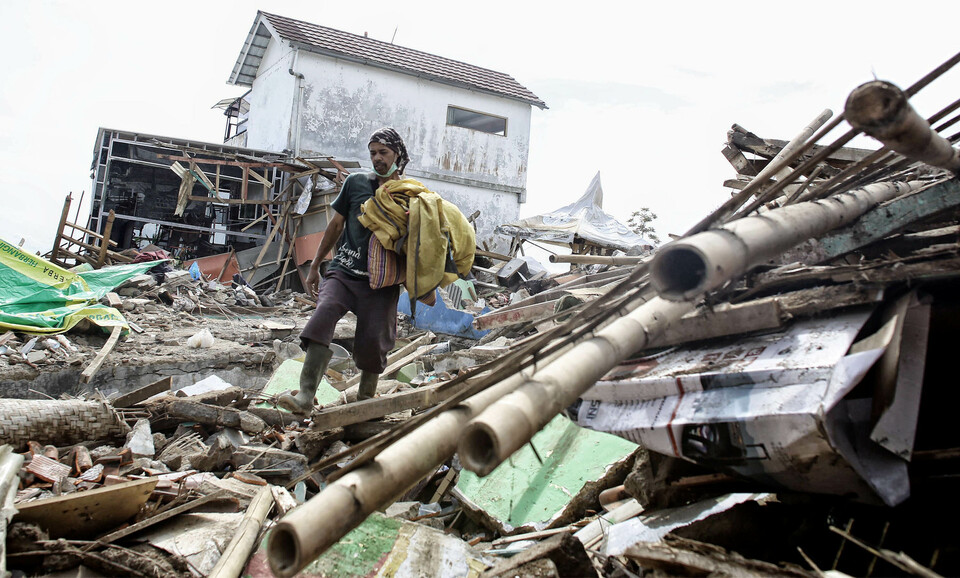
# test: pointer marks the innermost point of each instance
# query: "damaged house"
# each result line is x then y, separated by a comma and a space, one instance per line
319, 91
762, 396
315, 94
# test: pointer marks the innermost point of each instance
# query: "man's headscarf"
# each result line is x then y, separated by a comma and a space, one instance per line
389, 137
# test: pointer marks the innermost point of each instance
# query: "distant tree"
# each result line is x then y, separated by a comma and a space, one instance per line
641, 223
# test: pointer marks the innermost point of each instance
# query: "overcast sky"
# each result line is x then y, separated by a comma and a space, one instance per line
643, 94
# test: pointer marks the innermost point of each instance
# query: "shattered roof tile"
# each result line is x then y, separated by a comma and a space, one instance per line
385, 54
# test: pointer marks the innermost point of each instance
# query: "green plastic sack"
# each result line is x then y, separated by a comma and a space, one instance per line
39, 297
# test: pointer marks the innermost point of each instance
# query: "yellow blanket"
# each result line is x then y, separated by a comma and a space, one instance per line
409, 218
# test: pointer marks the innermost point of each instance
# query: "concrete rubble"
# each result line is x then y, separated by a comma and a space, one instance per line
768, 410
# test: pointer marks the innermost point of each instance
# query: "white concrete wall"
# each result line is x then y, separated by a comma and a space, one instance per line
272, 101
345, 102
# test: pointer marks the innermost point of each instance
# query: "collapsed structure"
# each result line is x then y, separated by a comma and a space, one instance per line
776, 370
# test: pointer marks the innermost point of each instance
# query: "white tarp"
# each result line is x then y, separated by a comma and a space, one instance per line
584, 218
771, 407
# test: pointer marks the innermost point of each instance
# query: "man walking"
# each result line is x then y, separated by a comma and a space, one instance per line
346, 286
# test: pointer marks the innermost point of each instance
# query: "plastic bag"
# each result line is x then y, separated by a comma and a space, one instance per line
202, 339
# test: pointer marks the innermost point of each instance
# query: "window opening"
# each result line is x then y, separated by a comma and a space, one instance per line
476, 121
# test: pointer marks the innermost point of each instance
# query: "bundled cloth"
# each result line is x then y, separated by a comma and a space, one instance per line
438, 241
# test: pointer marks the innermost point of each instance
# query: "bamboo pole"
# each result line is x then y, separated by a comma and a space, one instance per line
235, 555
882, 110
682, 272
689, 267
788, 150
507, 425
342, 505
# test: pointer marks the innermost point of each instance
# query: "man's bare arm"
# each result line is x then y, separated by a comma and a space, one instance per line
330, 236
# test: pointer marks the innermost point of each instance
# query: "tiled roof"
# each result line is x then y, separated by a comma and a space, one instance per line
378, 53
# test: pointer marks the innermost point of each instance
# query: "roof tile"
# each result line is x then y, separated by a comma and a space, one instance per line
401, 58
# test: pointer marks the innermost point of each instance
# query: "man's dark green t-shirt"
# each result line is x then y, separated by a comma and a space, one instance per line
351, 252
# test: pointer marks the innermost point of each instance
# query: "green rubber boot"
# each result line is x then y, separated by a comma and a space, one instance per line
314, 365
368, 385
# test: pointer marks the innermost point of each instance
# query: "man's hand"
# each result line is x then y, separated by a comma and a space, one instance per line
313, 282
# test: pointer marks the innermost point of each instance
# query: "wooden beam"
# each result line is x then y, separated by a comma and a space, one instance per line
107, 230
492, 255
232, 201
263, 180
393, 359
226, 263
224, 162
514, 316
63, 220
255, 221
143, 393
89, 232
202, 177
91, 369
368, 409
156, 519
291, 250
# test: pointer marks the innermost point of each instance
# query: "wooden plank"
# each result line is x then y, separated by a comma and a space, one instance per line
263, 180
223, 162
307, 173
96, 249
721, 321
89, 513
286, 261
226, 263
255, 221
685, 557
202, 176
89, 232
879, 223
231, 201
514, 316
368, 409
143, 393
63, 219
107, 229
91, 369
156, 519
492, 255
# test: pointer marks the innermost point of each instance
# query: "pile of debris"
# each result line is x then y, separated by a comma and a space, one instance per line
759, 397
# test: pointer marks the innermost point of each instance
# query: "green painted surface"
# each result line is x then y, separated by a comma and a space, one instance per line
522, 491
287, 377
359, 553
409, 371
